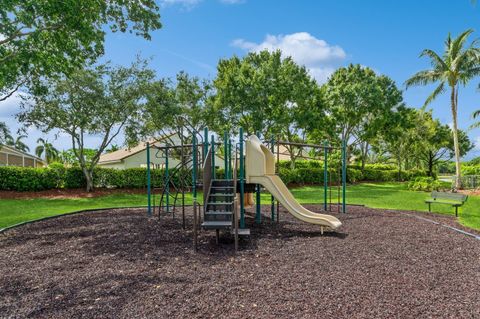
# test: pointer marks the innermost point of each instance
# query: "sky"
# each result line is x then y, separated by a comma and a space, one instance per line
386, 36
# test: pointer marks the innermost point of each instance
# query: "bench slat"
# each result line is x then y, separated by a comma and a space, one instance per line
453, 196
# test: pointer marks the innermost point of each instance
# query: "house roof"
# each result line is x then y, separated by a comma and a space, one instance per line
20, 153
123, 153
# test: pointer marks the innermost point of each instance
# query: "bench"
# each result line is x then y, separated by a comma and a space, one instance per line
454, 199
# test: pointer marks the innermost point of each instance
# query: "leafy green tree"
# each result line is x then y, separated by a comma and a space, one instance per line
101, 101
458, 64
266, 93
40, 38
17, 142
396, 138
113, 148
68, 157
177, 108
359, 103
46, 150
434, 142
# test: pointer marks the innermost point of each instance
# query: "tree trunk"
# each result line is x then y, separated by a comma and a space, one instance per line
89, 179
430, 164
458, 182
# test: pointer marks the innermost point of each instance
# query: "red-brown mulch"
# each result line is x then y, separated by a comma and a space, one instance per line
120, 264
69, 193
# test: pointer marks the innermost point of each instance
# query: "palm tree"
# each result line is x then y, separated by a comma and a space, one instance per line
4, 132
47, 149
458, 64
17, 142
113, 148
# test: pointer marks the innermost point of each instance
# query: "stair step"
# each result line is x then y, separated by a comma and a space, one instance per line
219, 203
218, 212
217, 216
241, 232
215, 224
222, 187
222, 182
222, 194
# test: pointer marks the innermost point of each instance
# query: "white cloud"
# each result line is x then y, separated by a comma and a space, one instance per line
317, 55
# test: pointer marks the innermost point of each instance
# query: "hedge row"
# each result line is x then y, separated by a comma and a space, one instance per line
470, 169
35, 179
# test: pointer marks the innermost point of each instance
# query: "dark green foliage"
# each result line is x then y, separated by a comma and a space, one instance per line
74, 178
57, 176
27, 178
471, 170
426, 184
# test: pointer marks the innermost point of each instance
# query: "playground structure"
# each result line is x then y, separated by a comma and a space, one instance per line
248, 166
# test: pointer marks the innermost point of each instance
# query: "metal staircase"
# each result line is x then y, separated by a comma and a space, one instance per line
218, 213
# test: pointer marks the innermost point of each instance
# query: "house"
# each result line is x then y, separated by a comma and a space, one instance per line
137, 156
10, 156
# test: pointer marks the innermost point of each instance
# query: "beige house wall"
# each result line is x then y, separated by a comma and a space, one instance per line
140, 160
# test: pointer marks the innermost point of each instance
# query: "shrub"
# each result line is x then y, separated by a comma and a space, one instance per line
27, 178
471, 170
74, 178
426, 184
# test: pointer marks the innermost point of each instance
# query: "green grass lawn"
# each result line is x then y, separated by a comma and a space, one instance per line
375, 195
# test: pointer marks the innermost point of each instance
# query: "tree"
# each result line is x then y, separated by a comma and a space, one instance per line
113, 148
68, 157
101, 100
177, 107
396, 137
434, 141
458, 64
17, 142
46, 150
45, 38
266, 93
360, 103
4, 132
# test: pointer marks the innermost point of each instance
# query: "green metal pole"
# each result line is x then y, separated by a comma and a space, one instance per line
149, 187
194, 190
344, 176
230, 172
194, 168
213, 158
325, 174
205, 142
272, 146
242, 182
258, 213
167, 184
225, 155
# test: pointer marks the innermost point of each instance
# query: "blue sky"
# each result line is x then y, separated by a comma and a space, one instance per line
324, 35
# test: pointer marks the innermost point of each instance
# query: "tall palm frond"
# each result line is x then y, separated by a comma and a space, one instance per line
20, 145
458, 64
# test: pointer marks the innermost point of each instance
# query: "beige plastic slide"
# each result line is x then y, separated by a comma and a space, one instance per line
260, 169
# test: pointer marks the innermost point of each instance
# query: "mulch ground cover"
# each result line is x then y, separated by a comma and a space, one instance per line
121, 264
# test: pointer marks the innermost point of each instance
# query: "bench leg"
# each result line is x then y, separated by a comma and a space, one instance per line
429, 207
456, 211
